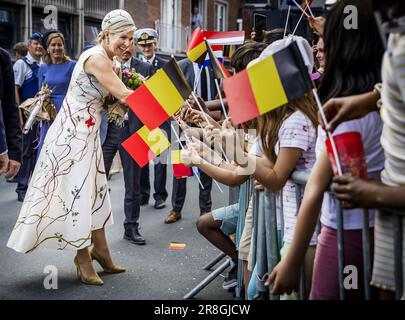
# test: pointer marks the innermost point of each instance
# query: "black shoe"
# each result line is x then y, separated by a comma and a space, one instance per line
20, 197
144, 201
231, 280
134, 236
160, 204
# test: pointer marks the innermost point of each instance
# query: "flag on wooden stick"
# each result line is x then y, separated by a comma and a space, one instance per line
160, 96
267, 84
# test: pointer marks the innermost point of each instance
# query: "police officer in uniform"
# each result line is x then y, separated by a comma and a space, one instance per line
26, 86
146, 40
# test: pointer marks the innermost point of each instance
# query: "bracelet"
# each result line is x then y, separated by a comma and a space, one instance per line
378, 89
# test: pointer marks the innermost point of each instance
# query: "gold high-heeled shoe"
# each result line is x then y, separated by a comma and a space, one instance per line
114, 269
93, 280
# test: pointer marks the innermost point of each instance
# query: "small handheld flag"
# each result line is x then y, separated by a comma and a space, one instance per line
179, 168
160, 96
267, 84
145, 145
224, 37
196, 48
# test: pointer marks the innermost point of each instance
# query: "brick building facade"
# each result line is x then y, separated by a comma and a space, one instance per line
80, 20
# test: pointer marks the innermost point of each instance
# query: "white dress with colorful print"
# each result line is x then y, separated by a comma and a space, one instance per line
67, 197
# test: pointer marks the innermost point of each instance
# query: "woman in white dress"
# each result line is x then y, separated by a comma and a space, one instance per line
67, 204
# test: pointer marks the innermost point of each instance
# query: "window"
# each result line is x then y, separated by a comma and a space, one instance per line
91, 31
221, 16
169, 29
9, 26
198, 20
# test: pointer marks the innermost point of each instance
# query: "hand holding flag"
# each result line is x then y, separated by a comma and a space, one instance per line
161, 96
145, 145
267, 84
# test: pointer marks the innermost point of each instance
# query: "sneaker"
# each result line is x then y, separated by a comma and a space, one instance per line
231, 280
160, 204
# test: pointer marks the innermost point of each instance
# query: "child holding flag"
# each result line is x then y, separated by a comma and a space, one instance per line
216, 226
348, 71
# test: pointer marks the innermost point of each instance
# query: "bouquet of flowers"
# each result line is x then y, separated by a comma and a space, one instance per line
132, 79
117, 110
38, 108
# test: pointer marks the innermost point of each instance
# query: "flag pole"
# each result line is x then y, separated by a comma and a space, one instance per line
182, 147
332, 141
195, 173
309, 8
222, 150
299, 21
287, 20
200, 107
297, 4
221, 99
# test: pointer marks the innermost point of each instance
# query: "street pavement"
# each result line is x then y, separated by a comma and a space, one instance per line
153, 271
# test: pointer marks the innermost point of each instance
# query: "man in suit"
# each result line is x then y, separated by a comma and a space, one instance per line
111, 143
205, 88
10, 116
146, 40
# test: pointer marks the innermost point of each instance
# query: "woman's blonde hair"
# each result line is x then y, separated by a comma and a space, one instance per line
47, 57
270, 123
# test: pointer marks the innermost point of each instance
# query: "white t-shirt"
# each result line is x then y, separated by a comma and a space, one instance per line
393, 111
22, 71
370, 128
297, 131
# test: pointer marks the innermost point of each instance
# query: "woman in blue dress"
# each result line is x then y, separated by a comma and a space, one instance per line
56, 72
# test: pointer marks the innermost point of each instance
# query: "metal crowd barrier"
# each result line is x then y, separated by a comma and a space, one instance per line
266, 249
266, 252
245, 191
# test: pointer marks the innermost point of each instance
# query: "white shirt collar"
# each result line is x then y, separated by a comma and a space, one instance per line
127, 64
149, 60
31, 59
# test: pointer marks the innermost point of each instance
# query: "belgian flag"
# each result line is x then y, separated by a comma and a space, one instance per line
197, 47
267, 84
179, 168
160, 96
145, 145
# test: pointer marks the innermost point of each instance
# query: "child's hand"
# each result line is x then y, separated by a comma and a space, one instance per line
196, 117
190, 157
356, 192
233, 146
212, 135
194, 105
206, 152
258, 185
182, 124
285, 278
